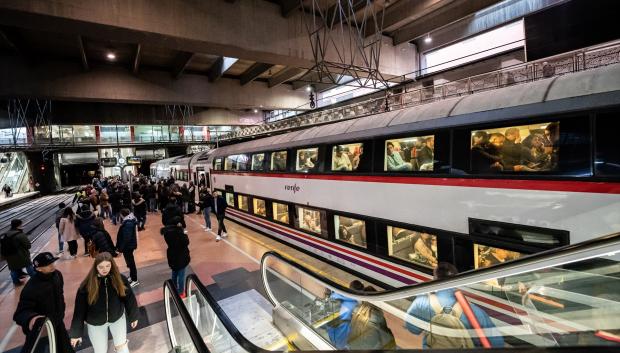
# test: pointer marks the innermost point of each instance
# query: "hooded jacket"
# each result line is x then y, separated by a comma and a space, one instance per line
84, 223
178, 250
103, 242
42, 295
20, 258
170, 212
126, 239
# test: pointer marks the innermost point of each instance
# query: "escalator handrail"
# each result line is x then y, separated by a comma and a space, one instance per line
195, 336
555, 257
33, 337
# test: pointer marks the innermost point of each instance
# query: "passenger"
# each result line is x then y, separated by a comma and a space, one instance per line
104, 301
105, 209
395, 161
43, 296
426, 154
185, 198
8, 192
139, 210
93, 199
202, 182
102, 239
339, 329
424, 250
170, 211
163, 193
151, 197
340, 160
280, 161
219, 208
441, 308
127, 243
117, 204
421, 154
84, 222
369, 329
69, 232
126, 197
177, 253
206, 204
357, 154
15, 249
552, 132
191, 206
540, 157
59, 214
497, 256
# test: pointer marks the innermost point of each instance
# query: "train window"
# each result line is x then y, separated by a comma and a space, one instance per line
346, 158
419, 248
230, 199
607, 145
524, 148
485, 256
217, 164
259, 207
242, 162
311, 220
280, 212
242, 202
230, 163
410, 154
307, 159
257, 161
350, 230
278, 161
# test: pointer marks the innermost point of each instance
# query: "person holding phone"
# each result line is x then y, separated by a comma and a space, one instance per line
104, 301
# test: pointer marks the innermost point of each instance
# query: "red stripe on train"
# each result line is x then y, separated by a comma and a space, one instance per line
520, 184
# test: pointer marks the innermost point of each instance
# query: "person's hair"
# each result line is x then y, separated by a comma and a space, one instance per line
62, 205
389, 144
68, 212
445, 270
125, 212
98, 223
91, 282
482, 135
356, 285
16, 223
511, 131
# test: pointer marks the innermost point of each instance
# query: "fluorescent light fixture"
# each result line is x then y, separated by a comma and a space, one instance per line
255, 111
428, 39
111, 56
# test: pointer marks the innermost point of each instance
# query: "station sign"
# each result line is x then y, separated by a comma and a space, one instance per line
108, 162
134, 160
191, 149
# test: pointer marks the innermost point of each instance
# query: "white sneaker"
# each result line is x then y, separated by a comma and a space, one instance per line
133, 284
208, 229
218, 238
59, 252
224, 235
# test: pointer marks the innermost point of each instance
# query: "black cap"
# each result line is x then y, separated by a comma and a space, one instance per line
44, 259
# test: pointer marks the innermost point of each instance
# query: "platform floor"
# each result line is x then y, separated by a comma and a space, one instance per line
228, 268
5, 201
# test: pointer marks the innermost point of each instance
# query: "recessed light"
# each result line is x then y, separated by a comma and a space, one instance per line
111, 56
255, 111
428, 39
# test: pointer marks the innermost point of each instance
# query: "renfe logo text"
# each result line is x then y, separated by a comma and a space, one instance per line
293, 188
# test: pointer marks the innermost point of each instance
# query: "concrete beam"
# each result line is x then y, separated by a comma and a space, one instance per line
443, 16
288, 7
261, 33
403, 12
285, 75
106, 83
219, 67
180, 63
347, 10
83, 56
136, 58
253, 72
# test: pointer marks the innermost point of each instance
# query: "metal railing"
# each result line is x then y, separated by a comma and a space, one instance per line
415, 94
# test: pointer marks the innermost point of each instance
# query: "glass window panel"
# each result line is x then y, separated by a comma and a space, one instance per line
311, 220
416, 247
143, 133
174, 133
260, 207
161, 133
55, 133
124, 133
218, 164
84, 134
307, 159
66, 133
346, 158
6, 136
257, 161
485, 256
524, 148
242, 162
407, 154
42, 134
187, 133
278, 161
108, 134
350, 230
230, 199
280, 212
230, 163
243, 202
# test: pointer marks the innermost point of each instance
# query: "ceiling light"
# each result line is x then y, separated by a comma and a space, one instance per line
255, 111
111, 56
428, 39
309, 88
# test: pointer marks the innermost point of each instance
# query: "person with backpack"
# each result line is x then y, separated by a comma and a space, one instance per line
15, 249
339, 329
43, 296
369, 329
442, 310
59, 214
102, 241
104, 302
177, 252
69, 232
127, 243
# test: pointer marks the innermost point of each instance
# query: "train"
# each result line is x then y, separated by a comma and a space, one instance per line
473, 180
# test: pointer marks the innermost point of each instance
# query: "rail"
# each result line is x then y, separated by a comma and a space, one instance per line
414, 94
183, 334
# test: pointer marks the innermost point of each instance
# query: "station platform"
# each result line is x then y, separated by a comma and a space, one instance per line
7, 201
229, 269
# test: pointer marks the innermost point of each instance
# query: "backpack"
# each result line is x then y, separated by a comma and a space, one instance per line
447, 317
7, 245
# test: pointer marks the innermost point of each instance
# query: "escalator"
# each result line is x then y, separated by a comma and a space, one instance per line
567, 299
42, 338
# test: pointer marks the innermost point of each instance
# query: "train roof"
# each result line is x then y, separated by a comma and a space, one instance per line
591, 89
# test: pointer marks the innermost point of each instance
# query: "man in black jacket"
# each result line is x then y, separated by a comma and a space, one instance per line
171, 211
219, 207
43, 296
84, 222
16, 251
177, 252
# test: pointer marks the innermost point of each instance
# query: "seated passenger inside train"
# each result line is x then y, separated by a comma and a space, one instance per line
278, 161
351, 230
416, 247
340, 160
410, 154
307, 160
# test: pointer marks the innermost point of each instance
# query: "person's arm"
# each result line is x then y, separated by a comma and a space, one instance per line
417, 310
120, 239
131, 304
63, 224
79, 314
26, 310
23, 239
391, 163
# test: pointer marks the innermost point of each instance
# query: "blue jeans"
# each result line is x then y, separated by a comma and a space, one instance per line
16, 274
61, 244
153, 204
178, 278
115, 216
207, 213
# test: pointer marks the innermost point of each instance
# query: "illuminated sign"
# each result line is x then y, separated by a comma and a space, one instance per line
108, 162
134, 160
